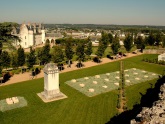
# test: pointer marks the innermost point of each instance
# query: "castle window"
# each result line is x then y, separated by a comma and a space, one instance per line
25, 37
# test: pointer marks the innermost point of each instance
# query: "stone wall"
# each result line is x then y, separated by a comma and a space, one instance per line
154, 51
154, 115
38, 39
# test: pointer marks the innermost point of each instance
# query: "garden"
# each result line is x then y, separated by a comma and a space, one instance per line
78, 108
94, 85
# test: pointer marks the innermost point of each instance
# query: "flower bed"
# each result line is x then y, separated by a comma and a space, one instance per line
100, 83
5, 107
110, 81
138, 76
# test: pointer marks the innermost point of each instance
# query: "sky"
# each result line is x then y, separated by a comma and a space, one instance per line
120, 12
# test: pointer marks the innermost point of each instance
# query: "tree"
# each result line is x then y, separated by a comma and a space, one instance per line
158, 39
21, 56
5, 36
31, 58
57, 54
5, 59
0, 55
80, 52
140, 44
100, 50
128, 42
14, 61
151, 39
163, 41
104, 40
1, 45
44, 54
5, 33
88, 51
115, 46
69, 51
102, 45
110, 37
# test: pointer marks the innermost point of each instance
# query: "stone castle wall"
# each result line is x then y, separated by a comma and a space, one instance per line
154, 51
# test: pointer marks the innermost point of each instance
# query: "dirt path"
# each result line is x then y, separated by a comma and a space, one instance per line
17, 78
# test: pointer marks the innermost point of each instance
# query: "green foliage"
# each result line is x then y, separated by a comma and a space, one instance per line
110, 37
5, 59
158, 39
103, 44
44, 54
163, 41
61, 41
89, 48
31, 58
105, 38
151, 39
14, 60
101, 49
118, 104
80, 52
69, 50
128, 42
115, 46
5, 32
21, 56
154, 60
57, 54
1, 46
140, 44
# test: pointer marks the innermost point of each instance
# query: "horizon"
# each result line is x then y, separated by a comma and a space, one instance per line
106, 12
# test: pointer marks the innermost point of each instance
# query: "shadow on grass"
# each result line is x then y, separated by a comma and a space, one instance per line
146, 101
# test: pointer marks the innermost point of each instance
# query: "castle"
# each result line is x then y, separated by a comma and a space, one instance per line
33, 34
30, 34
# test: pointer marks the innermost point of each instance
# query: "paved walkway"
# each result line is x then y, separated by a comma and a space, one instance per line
17, 78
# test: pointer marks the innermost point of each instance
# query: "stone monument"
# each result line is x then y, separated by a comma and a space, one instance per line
161, 57
51, 84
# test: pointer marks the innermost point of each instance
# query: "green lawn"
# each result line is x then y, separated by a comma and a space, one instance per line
77, 108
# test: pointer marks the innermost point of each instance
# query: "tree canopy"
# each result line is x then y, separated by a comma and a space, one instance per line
88, 51
44, 54
31, 58
57, 54
128, 42
80, 52
5, 59
115, 46
140, 43
21, 56
68, 49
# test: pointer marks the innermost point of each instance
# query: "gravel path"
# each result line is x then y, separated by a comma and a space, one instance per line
17, 78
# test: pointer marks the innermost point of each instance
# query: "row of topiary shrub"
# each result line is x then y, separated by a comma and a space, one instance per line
121, 89
155, 61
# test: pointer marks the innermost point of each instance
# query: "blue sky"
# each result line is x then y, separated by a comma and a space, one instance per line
129, 12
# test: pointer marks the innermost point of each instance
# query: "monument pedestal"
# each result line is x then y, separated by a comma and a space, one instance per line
52, 98
51, 84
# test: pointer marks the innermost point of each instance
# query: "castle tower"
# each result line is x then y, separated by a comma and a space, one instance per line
43, 35
31, 38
